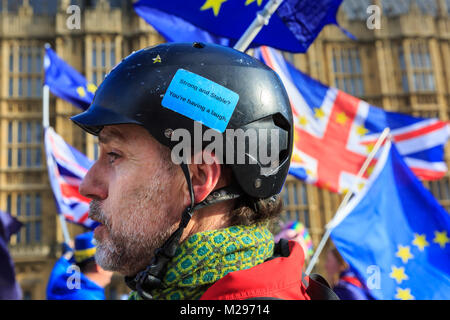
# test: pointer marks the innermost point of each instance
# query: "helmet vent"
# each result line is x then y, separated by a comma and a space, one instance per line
280, 121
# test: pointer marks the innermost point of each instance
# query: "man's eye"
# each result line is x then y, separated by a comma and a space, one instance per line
112, 156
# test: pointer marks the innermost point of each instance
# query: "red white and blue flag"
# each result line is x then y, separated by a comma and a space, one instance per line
66, 169
334, 131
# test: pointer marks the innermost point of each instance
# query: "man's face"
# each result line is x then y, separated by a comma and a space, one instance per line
132, 186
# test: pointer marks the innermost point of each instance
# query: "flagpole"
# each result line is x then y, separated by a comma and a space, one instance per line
45, 125
337, 218
45, 107
262, 19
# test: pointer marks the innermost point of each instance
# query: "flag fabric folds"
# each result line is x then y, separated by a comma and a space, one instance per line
395, 234
175, 29
293, 27
66, 169
334, 131
9, 288
65, 82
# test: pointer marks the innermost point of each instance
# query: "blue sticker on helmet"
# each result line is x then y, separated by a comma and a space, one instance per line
200, 99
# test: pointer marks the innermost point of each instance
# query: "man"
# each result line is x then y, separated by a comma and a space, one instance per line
84, 280
182, 223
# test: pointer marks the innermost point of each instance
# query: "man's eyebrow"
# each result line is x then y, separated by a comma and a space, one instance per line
105, 137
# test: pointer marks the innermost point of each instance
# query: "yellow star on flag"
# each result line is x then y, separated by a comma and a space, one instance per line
361, 186
81, 92
341, 118
398, 274
157, 59
361, 130
296, 136
369, 148
404, 253
404, 294
247, 2
370, 169
319, 113
441, 238
296, 158
303, 121
326, 185
420, 241
91, 88
213, 4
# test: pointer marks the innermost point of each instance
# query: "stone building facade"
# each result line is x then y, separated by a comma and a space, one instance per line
403, 66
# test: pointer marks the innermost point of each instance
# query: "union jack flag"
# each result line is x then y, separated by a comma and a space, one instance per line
66, 169
334, 132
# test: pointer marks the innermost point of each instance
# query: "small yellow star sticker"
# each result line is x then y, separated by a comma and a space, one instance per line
247, 2
441, 238
81, 92
398, 274
157, 59
213, 4
341, 118
91, 88
303, 121
420, 241
404, 253
404, 294
319, 113
361, 130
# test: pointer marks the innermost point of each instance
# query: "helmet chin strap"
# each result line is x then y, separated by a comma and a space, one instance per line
152, 276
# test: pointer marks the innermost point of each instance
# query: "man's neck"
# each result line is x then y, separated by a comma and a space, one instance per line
209, 218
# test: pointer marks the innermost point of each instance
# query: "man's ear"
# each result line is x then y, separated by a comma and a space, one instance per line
205, 176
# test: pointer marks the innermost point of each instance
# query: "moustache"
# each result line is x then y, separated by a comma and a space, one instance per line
96, 213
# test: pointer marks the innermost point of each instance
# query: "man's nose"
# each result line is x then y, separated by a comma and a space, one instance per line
94, 184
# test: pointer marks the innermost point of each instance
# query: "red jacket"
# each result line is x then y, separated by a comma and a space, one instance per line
279, 278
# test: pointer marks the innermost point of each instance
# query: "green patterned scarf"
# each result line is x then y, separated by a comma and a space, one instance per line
205, 257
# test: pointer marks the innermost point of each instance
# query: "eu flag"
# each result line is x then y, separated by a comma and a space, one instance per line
320, 135
395, 234
293, 27
175, 29
66, 82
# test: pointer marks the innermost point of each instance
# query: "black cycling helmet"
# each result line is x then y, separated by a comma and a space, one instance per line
251, 97
134, 90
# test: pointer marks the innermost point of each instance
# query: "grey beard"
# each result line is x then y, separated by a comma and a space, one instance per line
129, 255
130, 248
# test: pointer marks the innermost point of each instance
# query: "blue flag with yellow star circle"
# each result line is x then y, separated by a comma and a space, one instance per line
395, 234
65, 82
293, 27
